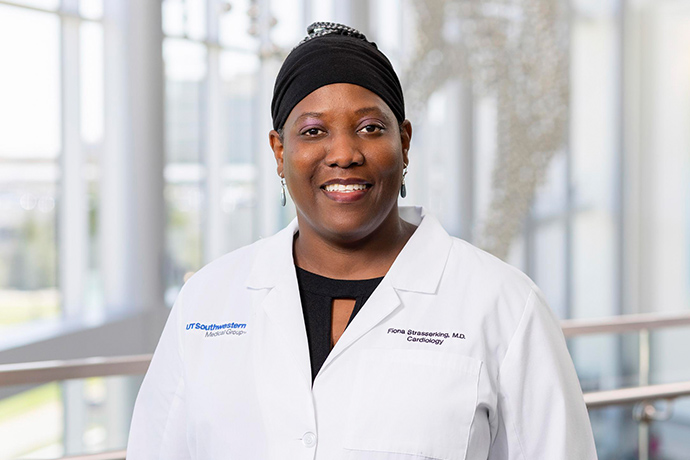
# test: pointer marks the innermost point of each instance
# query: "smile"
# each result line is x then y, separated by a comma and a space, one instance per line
343, 188
346, 190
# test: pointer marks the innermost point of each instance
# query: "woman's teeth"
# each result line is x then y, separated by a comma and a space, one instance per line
344, 188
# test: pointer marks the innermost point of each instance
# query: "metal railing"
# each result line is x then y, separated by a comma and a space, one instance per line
633, 395
114, 455
623, 324
643, 395
51, 371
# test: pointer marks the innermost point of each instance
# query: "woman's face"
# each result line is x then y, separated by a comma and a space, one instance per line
342, 155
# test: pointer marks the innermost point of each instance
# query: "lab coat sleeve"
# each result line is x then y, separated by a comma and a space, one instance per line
541, 411
158, 429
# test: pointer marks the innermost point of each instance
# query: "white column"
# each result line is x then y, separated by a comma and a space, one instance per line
360, 16
354, 13
73, 235
466, 177
214, 242
448, 156
75, 416
132, 220
269, 215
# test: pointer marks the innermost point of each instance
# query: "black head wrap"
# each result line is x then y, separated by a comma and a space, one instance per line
334, 53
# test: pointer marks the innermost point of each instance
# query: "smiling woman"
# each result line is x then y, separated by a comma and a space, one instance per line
342, 154
369, 332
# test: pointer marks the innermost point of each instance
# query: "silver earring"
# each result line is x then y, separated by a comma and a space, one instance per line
283, 197
403, 189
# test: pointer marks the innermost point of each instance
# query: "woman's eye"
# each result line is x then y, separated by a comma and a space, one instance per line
371, 129
311, 132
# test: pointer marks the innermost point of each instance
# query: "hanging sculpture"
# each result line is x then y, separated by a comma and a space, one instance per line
518, 52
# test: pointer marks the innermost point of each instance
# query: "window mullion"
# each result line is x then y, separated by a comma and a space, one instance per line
213, 229
269, 216
72, 210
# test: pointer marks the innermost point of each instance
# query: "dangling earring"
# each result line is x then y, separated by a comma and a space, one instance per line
283, 197
403, 189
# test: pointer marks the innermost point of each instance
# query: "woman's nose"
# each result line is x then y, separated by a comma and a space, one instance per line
344, 152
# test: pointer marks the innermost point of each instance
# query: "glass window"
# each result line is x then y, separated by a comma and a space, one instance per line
92, 96
550, 199
31, 423
186, 18
30, 104
173, 17
184, 204
238, 73
74, 417
594, 152
237, 27
30, 92
581, 187
91, 38
550, 260
185, 72
28, 259
289, 16
45, 4
92, 9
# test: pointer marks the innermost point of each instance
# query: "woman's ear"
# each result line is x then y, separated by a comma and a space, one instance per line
405, 138
276, 141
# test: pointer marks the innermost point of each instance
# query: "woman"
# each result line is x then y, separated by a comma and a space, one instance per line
361, 331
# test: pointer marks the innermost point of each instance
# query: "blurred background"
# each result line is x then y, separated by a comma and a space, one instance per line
134, 150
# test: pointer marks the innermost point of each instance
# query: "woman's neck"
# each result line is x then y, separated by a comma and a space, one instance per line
368, 257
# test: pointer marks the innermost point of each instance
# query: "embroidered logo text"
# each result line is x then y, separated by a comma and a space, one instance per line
215, 330
432, 337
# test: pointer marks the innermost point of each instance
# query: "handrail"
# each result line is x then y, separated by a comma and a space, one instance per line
644, 394
50, 371
623, 323
114, 455
623, 396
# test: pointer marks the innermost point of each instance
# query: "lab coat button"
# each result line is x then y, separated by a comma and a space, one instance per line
309, 439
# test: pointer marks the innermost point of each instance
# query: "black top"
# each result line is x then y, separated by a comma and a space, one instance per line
317, 293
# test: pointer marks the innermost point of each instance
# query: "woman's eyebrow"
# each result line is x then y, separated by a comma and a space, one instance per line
309, 115
362, 111
374, 110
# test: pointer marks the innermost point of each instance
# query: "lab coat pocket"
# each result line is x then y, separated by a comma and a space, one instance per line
412, 405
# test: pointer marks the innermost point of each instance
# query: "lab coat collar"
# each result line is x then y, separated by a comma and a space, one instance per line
420, 264
274, 259
418, 267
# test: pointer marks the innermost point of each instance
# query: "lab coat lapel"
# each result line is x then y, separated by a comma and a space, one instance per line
418, 268
282, 307
274, 270
383, 301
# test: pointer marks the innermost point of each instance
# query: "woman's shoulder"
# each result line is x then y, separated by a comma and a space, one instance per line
487, 268
231, 268
500, 296
493, 286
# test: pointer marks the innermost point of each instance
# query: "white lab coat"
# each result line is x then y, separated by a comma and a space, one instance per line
454, 356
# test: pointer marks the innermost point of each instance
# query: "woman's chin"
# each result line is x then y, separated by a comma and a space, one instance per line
351, 227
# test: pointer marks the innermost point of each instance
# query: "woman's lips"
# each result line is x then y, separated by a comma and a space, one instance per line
346, 191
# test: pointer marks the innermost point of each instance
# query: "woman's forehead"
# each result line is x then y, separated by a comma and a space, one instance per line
340, 99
